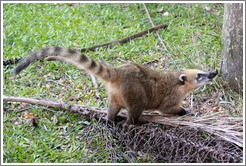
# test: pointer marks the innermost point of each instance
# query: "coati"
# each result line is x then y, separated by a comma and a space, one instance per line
132, 86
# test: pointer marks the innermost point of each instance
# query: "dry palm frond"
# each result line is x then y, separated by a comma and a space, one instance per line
226, 127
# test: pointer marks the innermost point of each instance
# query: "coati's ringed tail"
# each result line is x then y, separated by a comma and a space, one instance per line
82, 61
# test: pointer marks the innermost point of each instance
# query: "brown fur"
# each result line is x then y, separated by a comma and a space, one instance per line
132, 86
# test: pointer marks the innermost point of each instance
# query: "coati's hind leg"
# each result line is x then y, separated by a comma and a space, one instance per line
133, 115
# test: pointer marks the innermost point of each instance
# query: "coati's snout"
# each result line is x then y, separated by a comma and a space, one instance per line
206, 76
212, 74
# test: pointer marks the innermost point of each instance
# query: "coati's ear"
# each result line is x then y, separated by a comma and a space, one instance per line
182, 78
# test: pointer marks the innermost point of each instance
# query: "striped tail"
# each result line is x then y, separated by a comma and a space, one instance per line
82, 61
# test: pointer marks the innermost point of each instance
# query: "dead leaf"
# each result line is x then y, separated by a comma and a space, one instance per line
32, 121
208, 9
160, 10
165, 14
126, 26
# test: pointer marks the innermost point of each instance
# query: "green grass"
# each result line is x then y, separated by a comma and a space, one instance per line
192, 39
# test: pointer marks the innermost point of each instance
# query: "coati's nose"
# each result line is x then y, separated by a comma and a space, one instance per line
212, 74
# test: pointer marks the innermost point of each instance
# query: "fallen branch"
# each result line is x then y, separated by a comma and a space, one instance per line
126, 39
157, 34
227, 128
84, 110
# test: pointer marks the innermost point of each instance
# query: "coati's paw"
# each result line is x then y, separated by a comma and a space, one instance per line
116, 119
132, 122
184, 111
130, 125
119, 119
138, 123
111, 118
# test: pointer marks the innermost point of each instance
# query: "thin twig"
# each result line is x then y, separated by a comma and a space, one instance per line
56, 82
157, 34
126, 39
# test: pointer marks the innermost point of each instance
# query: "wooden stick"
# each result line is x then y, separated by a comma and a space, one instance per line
33, 101
126, 39
157, 34
85, 110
